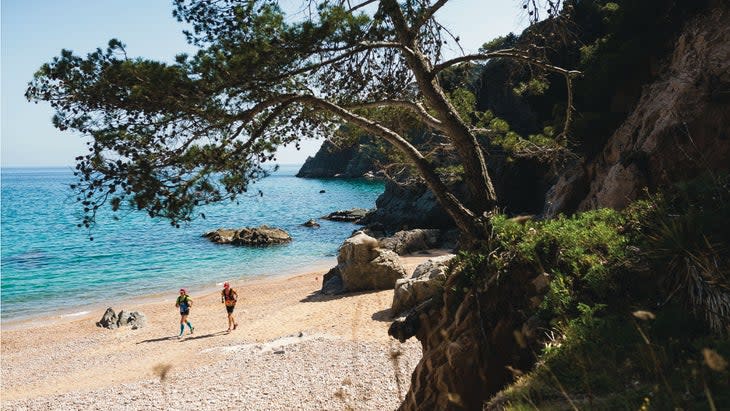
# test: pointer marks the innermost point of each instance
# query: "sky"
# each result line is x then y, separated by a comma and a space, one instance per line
33, 32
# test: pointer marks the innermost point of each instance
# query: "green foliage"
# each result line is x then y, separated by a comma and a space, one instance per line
451, 172
606, 361
616, 45
598, 351
577, 253
533, 87
686, 234
501, 42
464, 102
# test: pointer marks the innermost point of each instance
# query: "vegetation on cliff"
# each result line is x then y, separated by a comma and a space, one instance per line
602, 310
606, 309
637, 310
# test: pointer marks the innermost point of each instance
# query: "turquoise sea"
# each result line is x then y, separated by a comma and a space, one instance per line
50, 266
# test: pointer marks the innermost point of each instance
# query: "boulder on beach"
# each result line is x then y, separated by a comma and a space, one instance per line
133, 319
108, 320
365, 266
410, 241
112, 320
332, 282
252, 236
427, 280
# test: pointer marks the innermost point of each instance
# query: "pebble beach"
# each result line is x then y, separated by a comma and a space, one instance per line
293, 349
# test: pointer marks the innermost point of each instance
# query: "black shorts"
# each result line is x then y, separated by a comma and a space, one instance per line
229, 308
186, 312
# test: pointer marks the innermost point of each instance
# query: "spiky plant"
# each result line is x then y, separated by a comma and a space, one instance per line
688, 242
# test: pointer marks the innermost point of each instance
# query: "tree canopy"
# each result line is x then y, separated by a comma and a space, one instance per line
169, 137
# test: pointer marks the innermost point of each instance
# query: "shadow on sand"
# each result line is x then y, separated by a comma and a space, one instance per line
317, 296
186, 337
385, 316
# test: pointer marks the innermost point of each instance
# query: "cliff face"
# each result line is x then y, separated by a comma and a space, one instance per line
680, 127
407, 206
349, 160
520, 185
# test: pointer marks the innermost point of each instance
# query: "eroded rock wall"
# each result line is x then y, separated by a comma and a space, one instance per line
473, 342
679, 129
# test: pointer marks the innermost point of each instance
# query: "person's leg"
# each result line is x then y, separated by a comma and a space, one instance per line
183, 319
190, 326
229, 310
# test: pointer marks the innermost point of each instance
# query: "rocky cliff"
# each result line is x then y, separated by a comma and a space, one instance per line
348, 159
520, 185
679, 128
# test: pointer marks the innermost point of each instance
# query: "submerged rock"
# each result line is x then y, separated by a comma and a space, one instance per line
311, 223
352, 215
256, 236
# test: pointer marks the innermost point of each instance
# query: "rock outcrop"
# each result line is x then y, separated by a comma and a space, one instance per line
112, 320
347, 160
473, 337
404, 206
108, 319
353, 215
520, 184
251, 236
679, 129
312, 223
362, 265
427, 281
406, 242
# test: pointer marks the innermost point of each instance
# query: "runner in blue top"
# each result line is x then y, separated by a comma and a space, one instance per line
184, 302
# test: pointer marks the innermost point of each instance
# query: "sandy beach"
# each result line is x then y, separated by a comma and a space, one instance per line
293, 349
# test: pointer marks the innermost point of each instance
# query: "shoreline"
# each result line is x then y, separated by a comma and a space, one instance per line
74, 312
320, 352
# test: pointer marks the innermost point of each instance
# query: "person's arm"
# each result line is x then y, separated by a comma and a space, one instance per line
190, 302
177, 302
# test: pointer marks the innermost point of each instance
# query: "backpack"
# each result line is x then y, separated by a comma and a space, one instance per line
232, 295
183, 301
